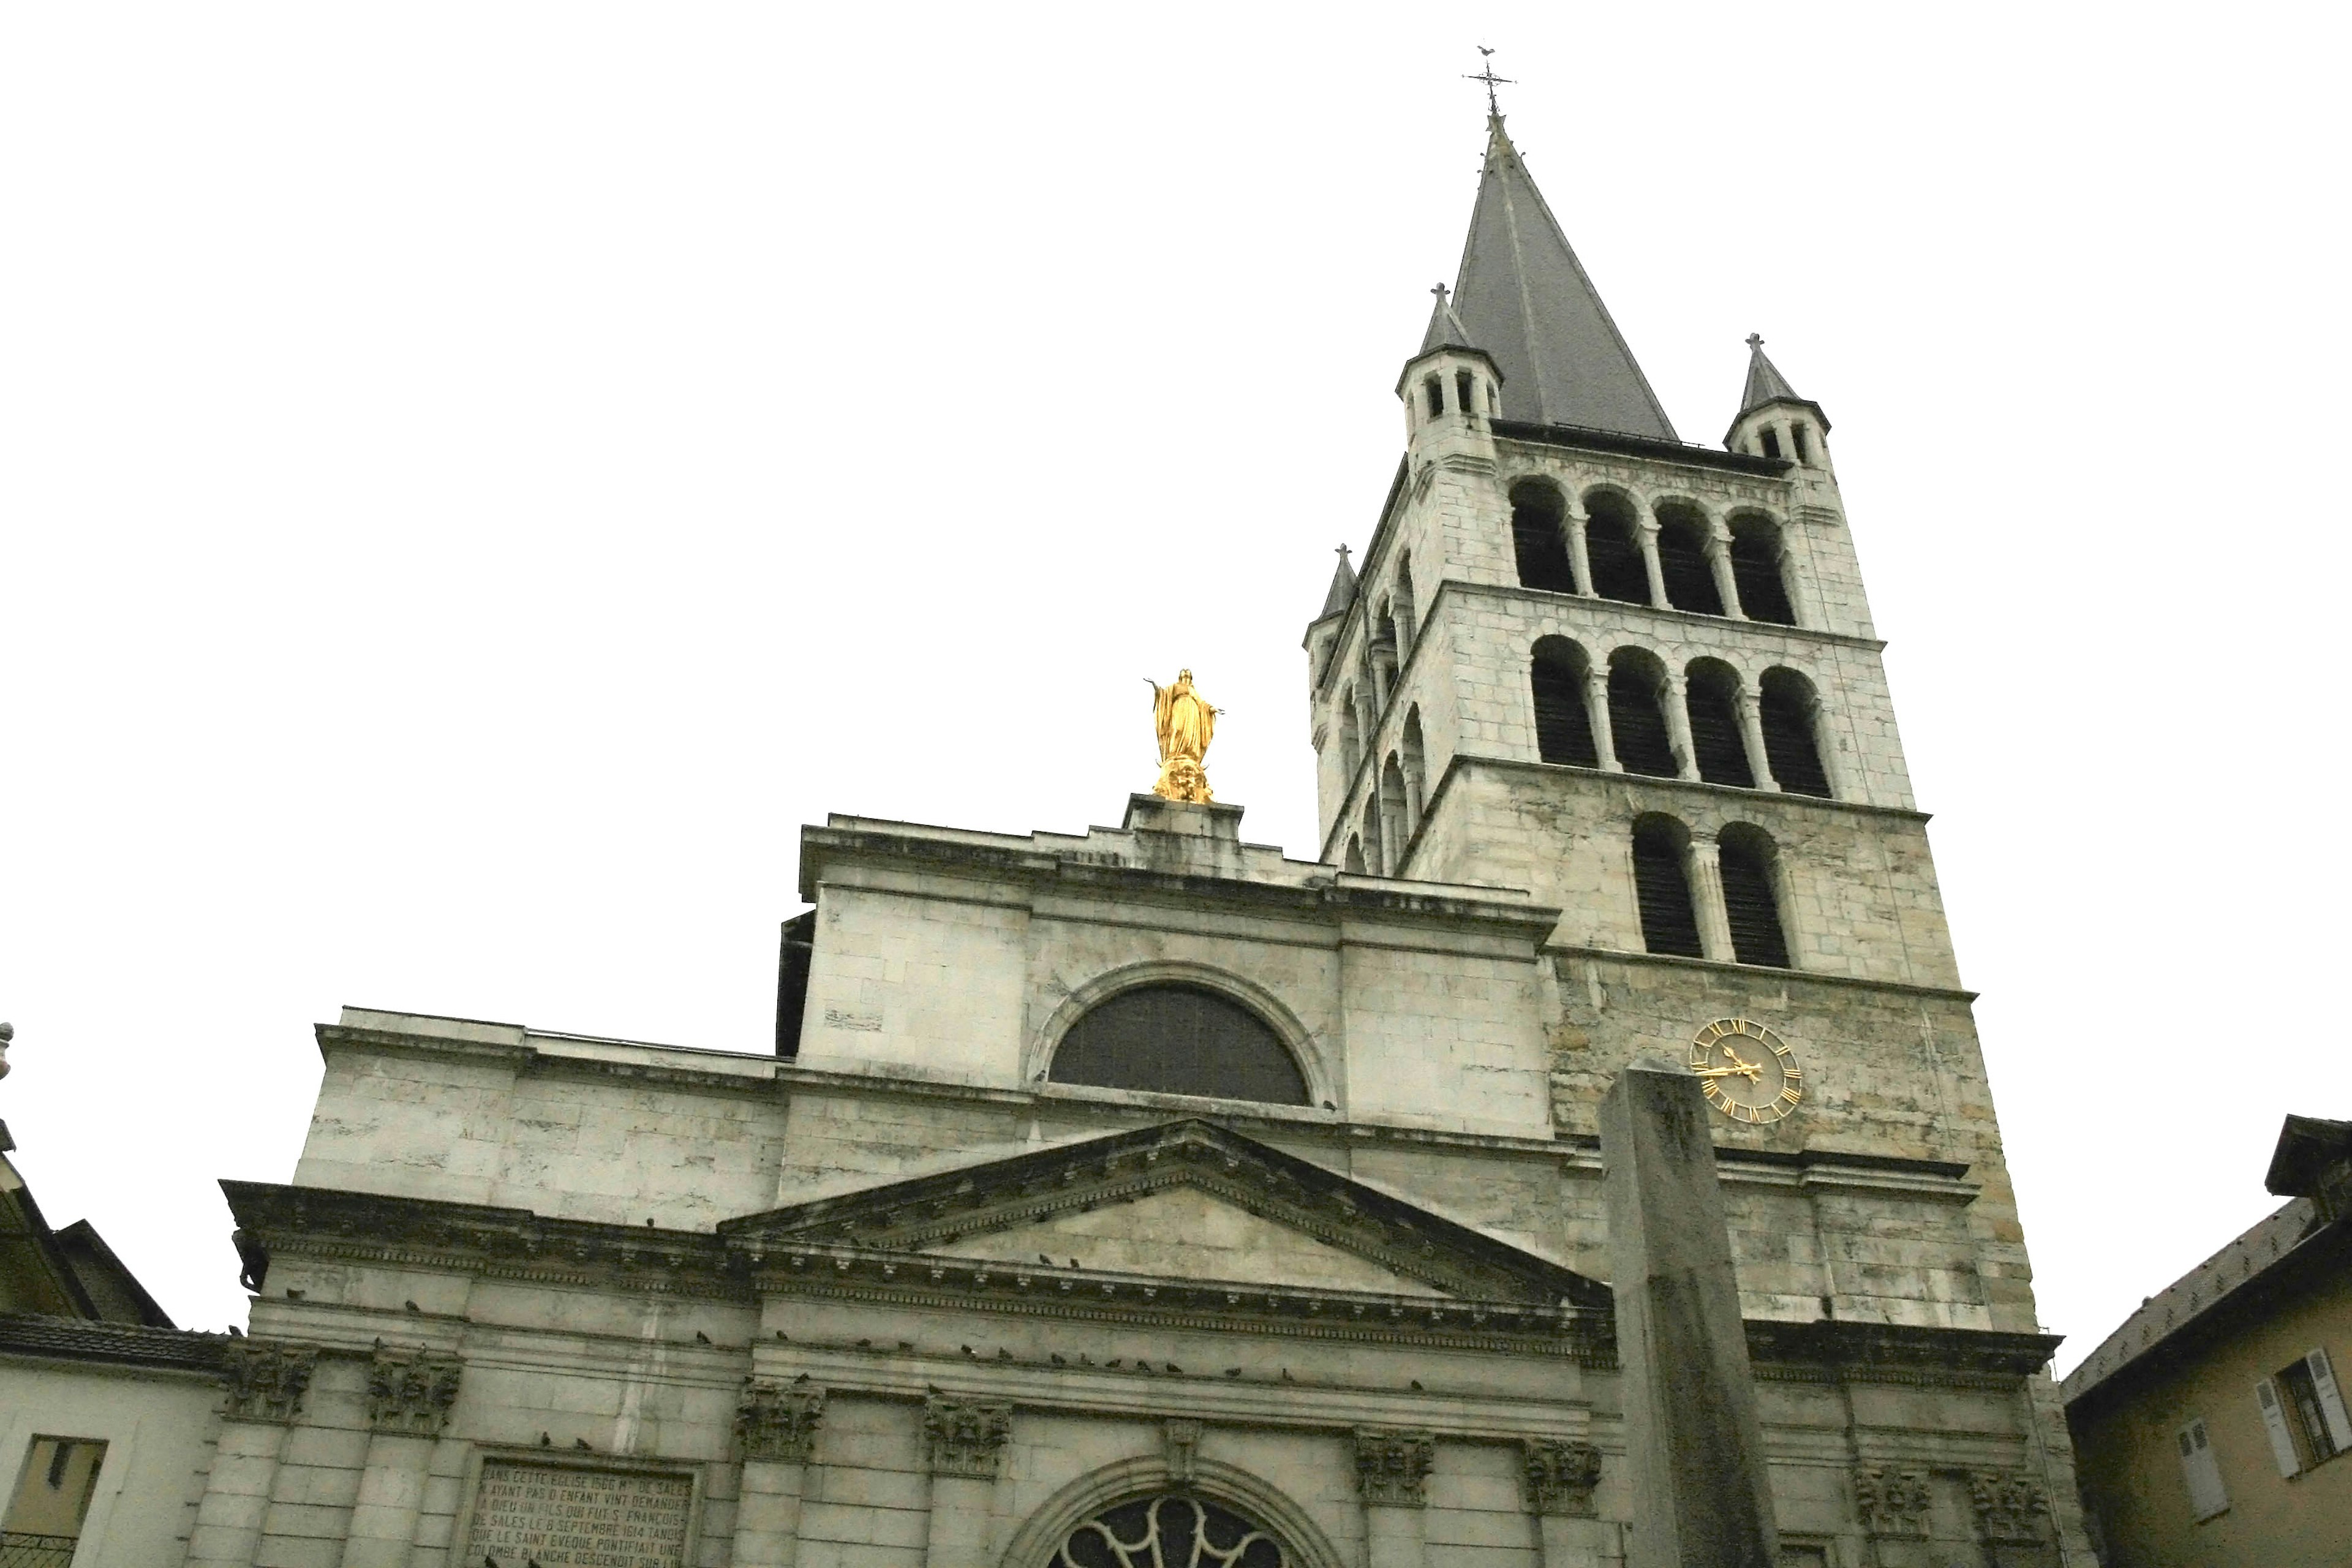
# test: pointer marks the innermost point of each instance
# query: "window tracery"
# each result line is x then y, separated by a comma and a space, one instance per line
1170, 1531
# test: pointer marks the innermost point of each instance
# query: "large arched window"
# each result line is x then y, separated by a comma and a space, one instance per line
1405, 625
1174, 1532
1789, 715
1563, 727
1751, 898
1416, 768
1758, 572
1713, 692
1395, 818
1637, 714
1537, 513
1172, 1038
1682, 560
1662, 887
1351, 737
1612, 548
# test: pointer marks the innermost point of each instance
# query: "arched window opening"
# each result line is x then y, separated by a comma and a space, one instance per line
1375, 845
1465, 396
1435, 391
1759, 573
1494, 401
1395, 818
1751, 903
1353, 860
1179, 1531
1713, 692
1351, 737
1537, 512
1416, 769
1790, 717
1404, 624
1563, 727
1801, 434
1662, 887
1772, 442
1612, 548
1637, 715
1179, 1039
1682, 560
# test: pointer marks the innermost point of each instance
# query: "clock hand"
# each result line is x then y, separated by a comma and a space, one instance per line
1743, 1070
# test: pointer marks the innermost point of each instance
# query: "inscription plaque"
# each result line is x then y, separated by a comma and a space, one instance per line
559, 1516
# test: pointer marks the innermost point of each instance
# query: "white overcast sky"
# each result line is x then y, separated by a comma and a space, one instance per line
475, 479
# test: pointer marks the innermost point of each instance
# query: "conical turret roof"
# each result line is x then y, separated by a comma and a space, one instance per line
1445, 328
1764, 382
1523, 298
1343, 589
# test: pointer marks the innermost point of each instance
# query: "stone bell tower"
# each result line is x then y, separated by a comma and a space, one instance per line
1640, 679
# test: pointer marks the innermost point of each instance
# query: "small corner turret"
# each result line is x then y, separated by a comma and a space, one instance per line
1452, 389
1774, 422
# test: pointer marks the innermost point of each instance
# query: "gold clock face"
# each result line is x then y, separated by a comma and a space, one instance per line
1748, 1072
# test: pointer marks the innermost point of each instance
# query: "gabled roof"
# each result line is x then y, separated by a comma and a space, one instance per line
1524, 299
941, 1214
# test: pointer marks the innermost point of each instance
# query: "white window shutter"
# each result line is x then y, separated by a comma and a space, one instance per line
2331, 1401
2207, 1496
2275, 1422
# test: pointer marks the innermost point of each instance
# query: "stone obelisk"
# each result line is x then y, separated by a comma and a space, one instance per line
1695, 1451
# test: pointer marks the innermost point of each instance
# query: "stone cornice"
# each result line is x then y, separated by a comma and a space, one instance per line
1794, 978
1664, 614
1895, 1353
1256, 1177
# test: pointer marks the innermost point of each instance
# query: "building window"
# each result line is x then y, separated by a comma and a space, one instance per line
1637, 715
53, 1491
1179, 1039
1772, 442
1563, 728
1170, 1532
1662, 887
1466, 397
1752, 900
1759, 571
1789, 715
1436, 390
1718, 747
2207, 1496
2313, 1408
1682, 561
1537, 541
1612, 550
1804, 448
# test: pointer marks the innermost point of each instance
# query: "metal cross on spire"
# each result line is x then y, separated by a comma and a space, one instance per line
1486, 74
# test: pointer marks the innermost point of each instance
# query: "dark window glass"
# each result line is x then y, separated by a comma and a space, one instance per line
1180, 1039
1170, 1532
1637, 722
1682, 561
1612, 551
1537, 541
1661, 891
1722, 754
1563, 728
1786, 713
1749, 905
1756, 569
1771, 443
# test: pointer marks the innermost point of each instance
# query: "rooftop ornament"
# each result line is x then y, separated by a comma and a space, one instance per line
1184, 723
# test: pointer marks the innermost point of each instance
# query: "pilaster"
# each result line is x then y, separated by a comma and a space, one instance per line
965, 1440
775, 1430
409, 1396
1392, 1473
1559, 1477
266, 1383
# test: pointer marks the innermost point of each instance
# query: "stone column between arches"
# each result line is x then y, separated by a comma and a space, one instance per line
1719, 561
1706, 900
1579, 560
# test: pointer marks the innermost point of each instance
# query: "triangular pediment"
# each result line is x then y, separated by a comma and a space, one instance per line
1186, 1201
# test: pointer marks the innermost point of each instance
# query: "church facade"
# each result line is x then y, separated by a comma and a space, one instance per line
1142, 1198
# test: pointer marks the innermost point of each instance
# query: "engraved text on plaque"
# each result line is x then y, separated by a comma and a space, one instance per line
562, 1517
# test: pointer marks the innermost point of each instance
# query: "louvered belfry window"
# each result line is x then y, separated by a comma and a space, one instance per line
1563, 728
1722, 753
1637, 721
1662, 889
1755, 573
1749, 902
1785, 707
1613, 551
1682, 561
1537, 540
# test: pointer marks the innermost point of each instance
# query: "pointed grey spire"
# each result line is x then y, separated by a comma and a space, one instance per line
1446, 328
1343, 589
1764, 382
1525, 300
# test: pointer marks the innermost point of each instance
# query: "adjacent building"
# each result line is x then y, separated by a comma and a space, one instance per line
2210, 1428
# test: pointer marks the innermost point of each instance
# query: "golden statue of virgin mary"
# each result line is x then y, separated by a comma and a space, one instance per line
1185, 724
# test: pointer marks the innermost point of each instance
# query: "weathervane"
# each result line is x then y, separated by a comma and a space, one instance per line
1486, 74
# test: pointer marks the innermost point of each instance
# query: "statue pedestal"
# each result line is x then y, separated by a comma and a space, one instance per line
1184, 839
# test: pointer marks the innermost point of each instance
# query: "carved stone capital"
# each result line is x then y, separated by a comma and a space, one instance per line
966, 1438
1561, 1476
1892, 1504
410, 1392
778, 1422
1183, 1448
267, 1379
1392, 1467
2010, 1505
